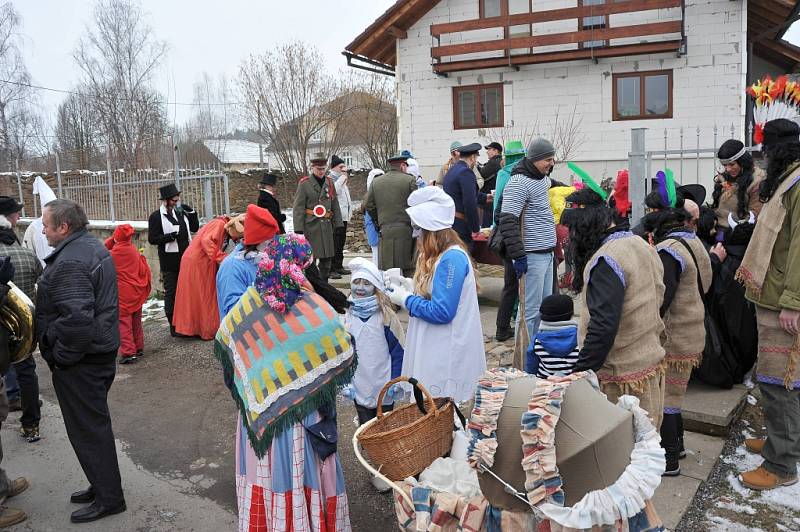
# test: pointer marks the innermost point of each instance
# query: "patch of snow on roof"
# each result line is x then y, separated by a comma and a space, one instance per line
230, 151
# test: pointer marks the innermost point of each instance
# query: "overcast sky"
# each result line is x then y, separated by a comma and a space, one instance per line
203, 35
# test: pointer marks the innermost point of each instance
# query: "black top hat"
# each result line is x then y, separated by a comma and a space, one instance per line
694, 192
269, 179
9, 205
169, 191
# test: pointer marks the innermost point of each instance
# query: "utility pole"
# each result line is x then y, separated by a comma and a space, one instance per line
260, 136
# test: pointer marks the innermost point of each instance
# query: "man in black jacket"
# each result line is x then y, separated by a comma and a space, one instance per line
77, 324
489, 173
170, 228
267, 200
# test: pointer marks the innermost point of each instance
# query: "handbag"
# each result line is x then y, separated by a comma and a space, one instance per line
716, 366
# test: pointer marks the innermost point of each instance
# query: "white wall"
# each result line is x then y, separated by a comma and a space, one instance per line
708, 89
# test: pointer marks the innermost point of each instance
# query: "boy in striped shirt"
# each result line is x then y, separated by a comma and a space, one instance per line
554, 350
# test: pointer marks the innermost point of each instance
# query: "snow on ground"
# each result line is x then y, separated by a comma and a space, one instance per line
720, 524
152, 309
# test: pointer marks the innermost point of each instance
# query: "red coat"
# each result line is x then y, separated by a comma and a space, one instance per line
196, 312
133, 275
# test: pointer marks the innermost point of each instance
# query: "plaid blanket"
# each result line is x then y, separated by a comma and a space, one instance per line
280, 367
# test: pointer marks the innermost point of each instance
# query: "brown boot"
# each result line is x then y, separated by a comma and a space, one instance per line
17, 486
11, 516
754, 445
761, 479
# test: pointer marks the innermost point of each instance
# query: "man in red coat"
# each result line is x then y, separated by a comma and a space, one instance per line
133, 282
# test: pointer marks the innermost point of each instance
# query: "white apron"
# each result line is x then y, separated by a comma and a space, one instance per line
374, 363
448, 359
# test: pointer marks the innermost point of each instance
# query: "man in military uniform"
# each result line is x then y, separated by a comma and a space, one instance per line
459, 183
316, 213
387, 201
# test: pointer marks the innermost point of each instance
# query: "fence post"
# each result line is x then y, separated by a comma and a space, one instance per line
176, 162
208, 206
110, 179
58, 176
225, 190
19, 186
637, 165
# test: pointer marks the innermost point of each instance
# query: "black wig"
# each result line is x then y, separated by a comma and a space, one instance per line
588, 226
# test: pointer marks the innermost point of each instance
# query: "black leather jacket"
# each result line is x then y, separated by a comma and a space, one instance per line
77, 303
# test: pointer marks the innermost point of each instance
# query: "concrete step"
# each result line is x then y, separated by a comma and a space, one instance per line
711, 410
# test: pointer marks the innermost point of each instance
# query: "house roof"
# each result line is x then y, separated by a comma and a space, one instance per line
766, 25
377, 42
230, 151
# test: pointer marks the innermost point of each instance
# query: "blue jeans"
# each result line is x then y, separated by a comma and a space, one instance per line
538, 285
12, 385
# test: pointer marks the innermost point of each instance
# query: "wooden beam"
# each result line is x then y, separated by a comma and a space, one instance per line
555, 57
396, 32
570, 37
552, 15
789, 52
379, 33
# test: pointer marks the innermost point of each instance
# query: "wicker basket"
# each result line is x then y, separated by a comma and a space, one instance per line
403, 442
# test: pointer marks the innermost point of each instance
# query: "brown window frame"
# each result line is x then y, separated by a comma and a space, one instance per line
482, 8
582, 27
477, 89
641, 75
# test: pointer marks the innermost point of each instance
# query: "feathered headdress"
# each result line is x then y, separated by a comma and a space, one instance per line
621, 200
778, 98
666, 187
587, 180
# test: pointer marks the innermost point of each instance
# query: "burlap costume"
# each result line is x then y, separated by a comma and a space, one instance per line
635, 364
684, 333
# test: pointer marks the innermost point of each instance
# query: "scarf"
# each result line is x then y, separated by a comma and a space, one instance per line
280, 274
281, 366
168, 227
364, 307
759, 252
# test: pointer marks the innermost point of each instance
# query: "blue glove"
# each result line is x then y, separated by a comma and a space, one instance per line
395, 391
521, 266
348, 392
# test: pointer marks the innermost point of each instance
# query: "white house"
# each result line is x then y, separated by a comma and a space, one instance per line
239, 154
480, 70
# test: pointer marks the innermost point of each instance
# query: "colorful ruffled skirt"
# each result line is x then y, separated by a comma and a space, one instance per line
291, 488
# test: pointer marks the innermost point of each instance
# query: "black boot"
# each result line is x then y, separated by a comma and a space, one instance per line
503, 334
681, 448
670, 443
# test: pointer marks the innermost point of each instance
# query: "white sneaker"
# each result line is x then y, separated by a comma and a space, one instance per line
381, 485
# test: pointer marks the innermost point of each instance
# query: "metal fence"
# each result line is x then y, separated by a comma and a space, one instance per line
117, 184
689, 153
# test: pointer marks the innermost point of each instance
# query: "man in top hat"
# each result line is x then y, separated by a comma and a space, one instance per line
316, 213
170, 228
267, 199
489, 173
459, 183
22, 384
386, 205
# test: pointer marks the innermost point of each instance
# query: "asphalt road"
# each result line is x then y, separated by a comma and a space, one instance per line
175, 424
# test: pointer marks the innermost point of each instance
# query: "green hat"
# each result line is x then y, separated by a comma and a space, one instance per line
515, 147
399, 156
455, 145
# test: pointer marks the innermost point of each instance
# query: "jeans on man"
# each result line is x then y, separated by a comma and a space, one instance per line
538, 285
782, 418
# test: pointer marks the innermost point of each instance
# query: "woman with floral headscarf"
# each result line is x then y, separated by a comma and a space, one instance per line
285, 355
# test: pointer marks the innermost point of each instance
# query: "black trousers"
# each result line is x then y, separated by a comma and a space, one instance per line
324, 266
339, 238
82, 392
508, 297
29, 392
365, 414
170, 281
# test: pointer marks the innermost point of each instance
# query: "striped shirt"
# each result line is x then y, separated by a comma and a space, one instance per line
552, 364
539, 230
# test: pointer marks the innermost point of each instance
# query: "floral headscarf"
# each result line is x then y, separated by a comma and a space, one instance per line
280, 272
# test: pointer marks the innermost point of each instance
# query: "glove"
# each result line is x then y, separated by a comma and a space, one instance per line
173, 236
398, 294
395, 391
348, 392
521, 266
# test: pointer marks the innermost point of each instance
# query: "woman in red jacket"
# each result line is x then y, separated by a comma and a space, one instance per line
133, 282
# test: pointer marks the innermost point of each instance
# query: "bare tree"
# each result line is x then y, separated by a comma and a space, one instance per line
15, 94
211, 117
77, 128
373, 117
293, 102
118, 57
